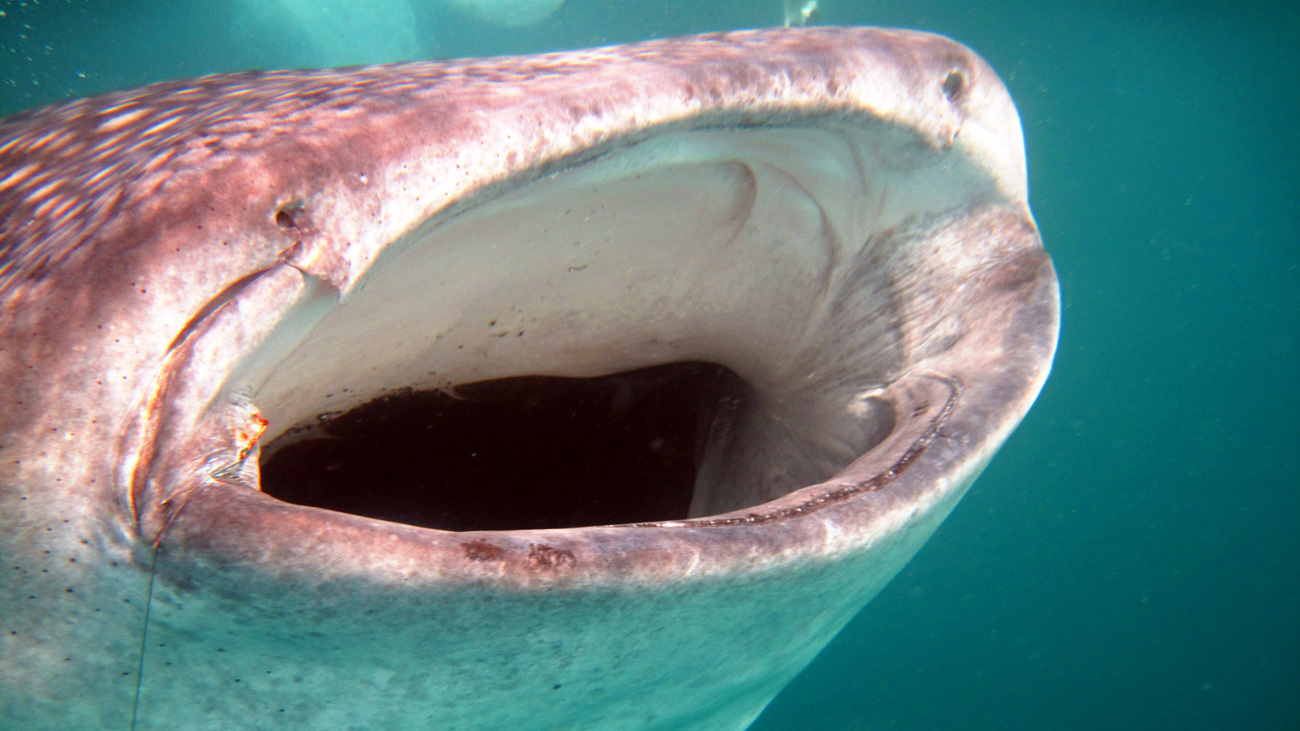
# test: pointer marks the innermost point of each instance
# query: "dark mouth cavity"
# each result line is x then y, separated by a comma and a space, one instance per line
514, 453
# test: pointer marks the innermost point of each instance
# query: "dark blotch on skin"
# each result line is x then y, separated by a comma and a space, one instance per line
482, 551
543, 556
514, 453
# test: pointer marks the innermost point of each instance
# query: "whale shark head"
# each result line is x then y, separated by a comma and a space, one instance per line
594, 390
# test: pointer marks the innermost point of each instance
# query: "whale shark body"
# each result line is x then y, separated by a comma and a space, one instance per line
592, 390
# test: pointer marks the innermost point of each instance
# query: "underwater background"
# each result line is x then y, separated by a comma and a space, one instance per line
1131, 559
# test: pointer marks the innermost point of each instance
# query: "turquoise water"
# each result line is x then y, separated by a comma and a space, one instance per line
1132, 558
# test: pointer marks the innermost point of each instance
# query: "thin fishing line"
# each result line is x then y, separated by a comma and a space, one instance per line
144, 637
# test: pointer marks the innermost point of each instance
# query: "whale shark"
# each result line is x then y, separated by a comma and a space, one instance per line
589, 390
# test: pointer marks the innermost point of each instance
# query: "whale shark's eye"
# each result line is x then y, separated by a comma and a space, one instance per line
954, 85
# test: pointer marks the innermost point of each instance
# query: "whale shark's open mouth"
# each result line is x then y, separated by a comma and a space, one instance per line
697, 324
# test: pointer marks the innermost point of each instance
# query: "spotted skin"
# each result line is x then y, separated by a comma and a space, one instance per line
69, 168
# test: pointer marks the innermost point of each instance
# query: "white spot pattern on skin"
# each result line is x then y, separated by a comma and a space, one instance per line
122, 120
115, 150
18, 175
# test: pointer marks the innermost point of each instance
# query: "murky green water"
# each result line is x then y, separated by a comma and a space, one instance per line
1131, 559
